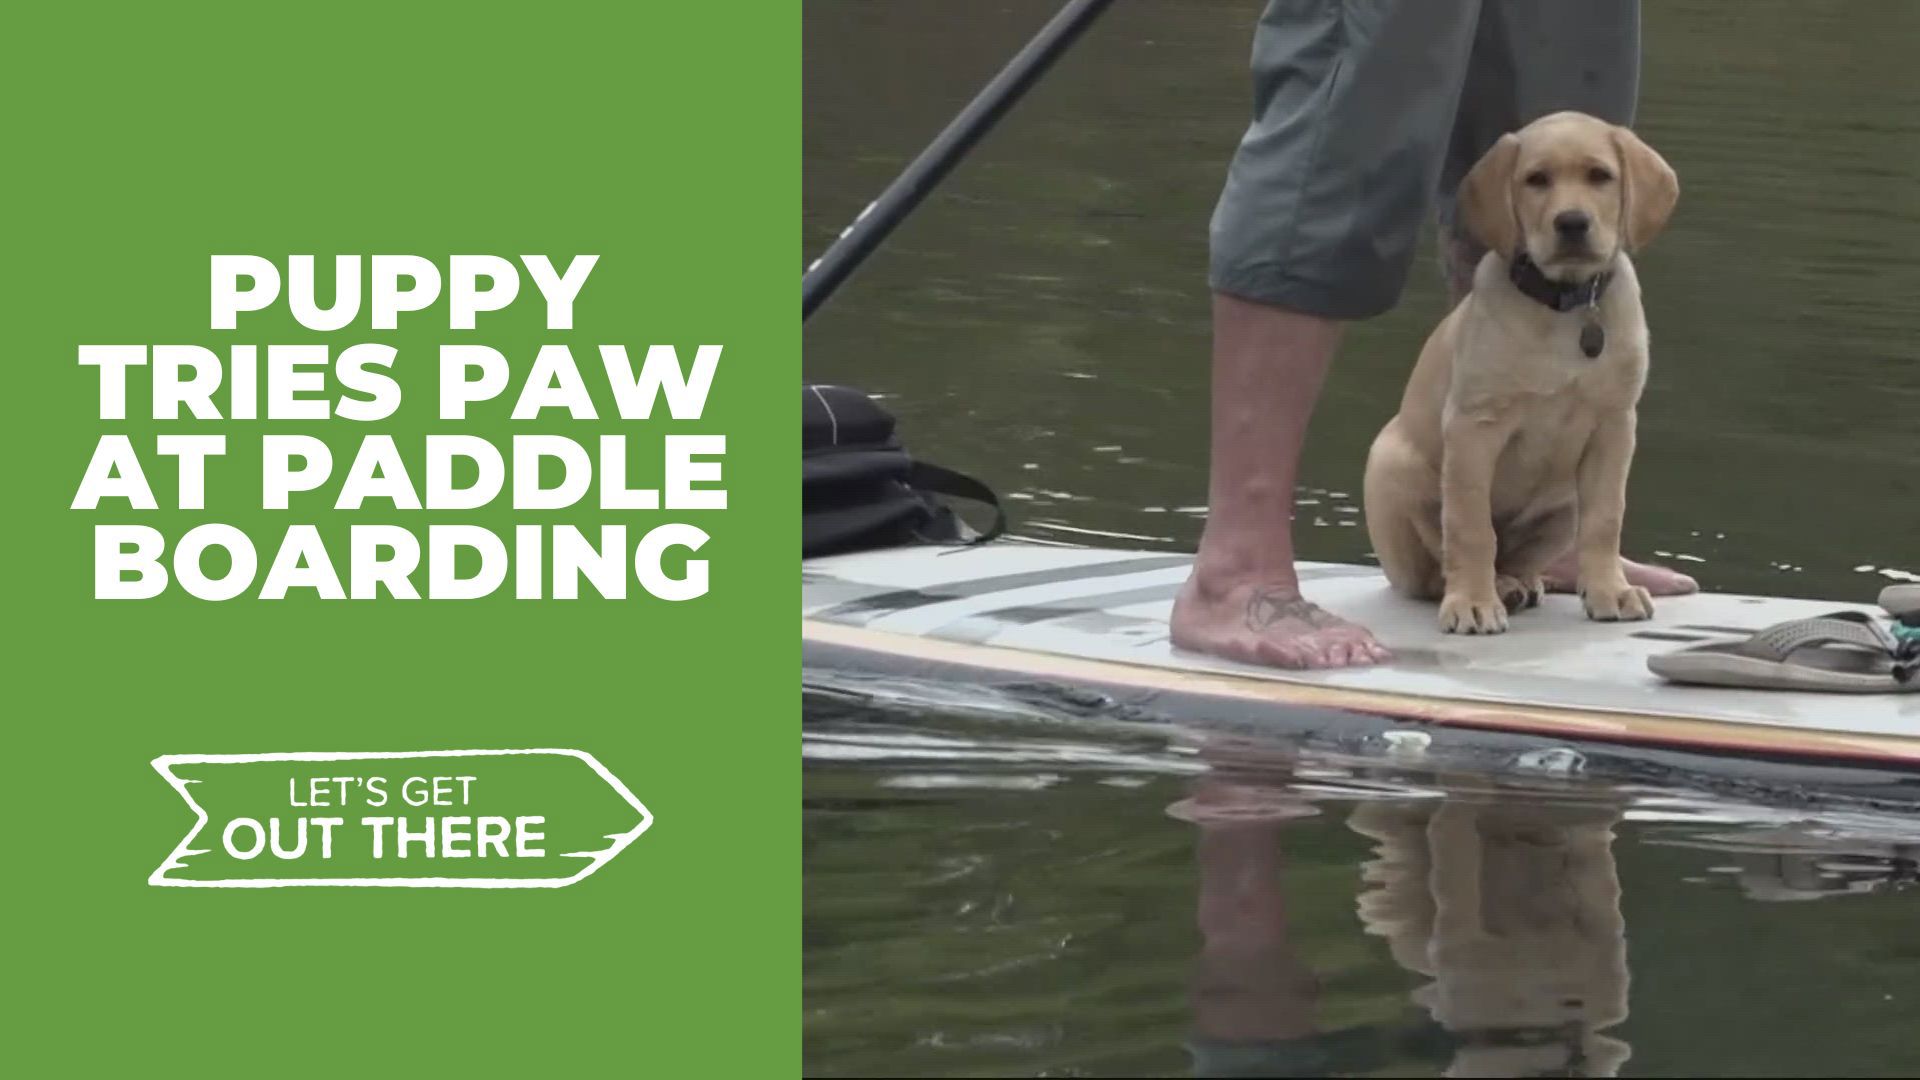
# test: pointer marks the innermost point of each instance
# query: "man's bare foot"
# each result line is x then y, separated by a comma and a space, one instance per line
1243, 600
1269, 623
1564, 575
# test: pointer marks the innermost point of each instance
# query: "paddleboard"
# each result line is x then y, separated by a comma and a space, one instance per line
1096, 618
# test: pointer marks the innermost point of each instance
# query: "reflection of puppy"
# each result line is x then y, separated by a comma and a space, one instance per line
1513, 910
1397, 903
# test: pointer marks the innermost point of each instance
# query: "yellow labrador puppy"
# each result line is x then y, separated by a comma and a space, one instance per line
1516, 431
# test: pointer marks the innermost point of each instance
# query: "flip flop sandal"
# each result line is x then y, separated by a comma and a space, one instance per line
1847, 652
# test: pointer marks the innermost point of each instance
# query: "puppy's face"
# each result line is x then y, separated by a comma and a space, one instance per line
1566, 197
1571, 192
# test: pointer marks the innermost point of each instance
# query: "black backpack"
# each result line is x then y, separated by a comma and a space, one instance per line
861, 490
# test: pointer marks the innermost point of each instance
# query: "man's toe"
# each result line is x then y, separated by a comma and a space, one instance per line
1283, 654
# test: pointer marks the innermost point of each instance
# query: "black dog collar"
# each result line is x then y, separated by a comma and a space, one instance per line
1558, 295
1564, 296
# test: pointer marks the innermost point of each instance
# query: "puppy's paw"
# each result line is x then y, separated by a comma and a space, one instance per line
1617, 601
1461, 613
1520, 593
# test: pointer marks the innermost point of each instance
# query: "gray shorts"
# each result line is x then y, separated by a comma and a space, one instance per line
1365, 110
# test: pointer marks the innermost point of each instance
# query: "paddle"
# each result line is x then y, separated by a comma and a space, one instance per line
859, 239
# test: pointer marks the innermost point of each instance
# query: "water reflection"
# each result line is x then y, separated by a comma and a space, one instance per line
1506, 905
1007, 891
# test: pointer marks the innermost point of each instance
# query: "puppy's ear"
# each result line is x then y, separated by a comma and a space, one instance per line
1648, 189
1486, 197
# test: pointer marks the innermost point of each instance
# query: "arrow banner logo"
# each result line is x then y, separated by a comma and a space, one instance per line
471, 819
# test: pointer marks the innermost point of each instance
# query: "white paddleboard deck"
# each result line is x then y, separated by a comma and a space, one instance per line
1098, 617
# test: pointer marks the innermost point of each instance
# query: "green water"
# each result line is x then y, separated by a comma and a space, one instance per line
1010, 898
1041, 322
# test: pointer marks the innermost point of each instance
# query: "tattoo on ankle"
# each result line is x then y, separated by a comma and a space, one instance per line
1276, 604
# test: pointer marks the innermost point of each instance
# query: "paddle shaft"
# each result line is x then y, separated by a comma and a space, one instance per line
859, 239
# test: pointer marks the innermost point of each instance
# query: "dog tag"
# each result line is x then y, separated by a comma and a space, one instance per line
1593, 338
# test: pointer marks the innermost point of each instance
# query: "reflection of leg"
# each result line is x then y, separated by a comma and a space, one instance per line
1250, 985
1528, 937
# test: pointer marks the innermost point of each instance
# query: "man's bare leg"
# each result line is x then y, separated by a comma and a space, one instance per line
1458, 257
1243, 600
